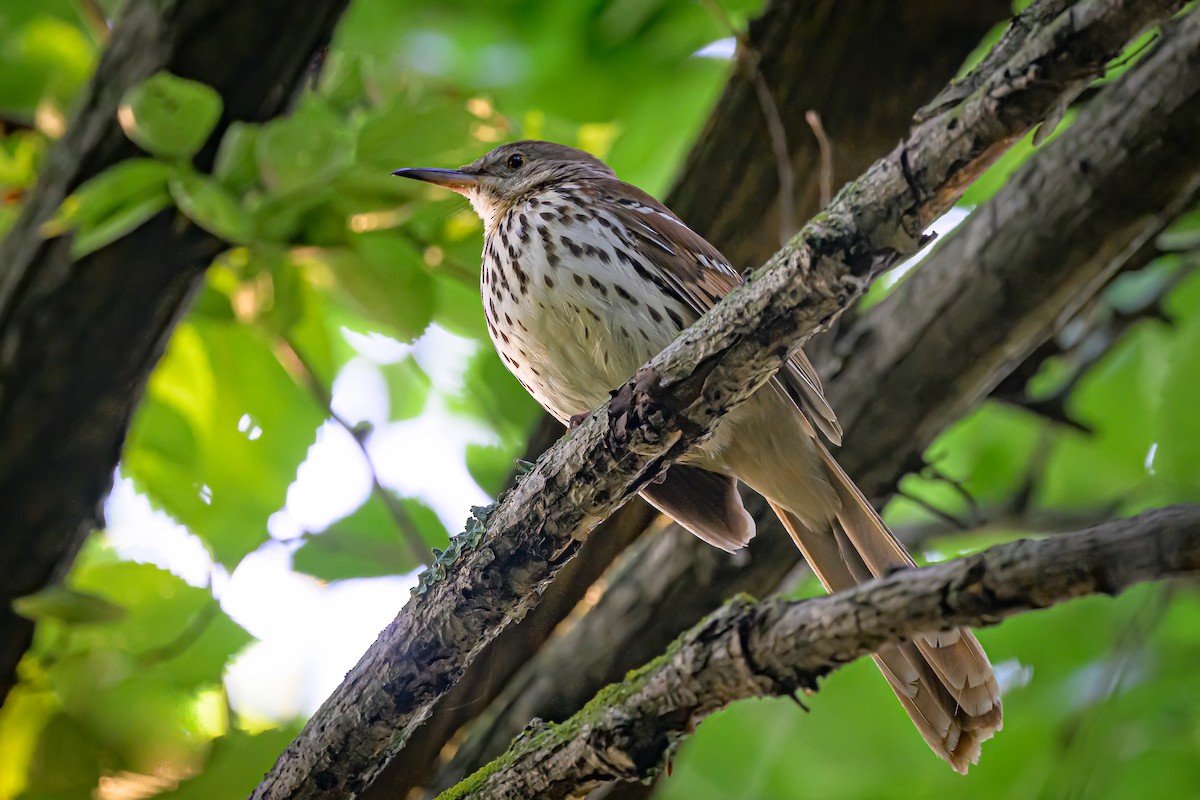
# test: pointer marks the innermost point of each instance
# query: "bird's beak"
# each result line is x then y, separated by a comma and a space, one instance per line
453, 179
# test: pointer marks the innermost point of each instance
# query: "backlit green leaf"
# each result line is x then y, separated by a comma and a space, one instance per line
112, 204
308, 148
211, 206
170, 116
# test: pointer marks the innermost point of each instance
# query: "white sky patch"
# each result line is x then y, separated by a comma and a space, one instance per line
1012, 674
311, 633
334, 480
425, 457
248, 426
443, 357
139, 532
377, 347
721, 49
360, 393
1149, 464
941, 226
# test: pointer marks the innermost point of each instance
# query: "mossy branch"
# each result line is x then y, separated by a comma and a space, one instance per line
676, 400
777, 647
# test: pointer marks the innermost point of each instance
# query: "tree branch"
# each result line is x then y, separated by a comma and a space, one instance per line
728, 190
778, 647
79, 338
976, 306
872, 108
676, 400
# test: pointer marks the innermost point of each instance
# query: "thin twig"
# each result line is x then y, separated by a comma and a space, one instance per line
934, 473
826, 147
10, 123
184, 639
1112, 675
294, 362
749, 59
941, 514
783, 161
93, 16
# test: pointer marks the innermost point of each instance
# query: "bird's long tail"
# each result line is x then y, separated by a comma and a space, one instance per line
944, 681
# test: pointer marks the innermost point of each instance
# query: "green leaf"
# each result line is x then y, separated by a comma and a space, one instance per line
170, 116
1177, 456
111, 204
408, 388
253, 425
67, 605
66, 761
309, 148
458, 306
236, 166
157, 605
45, 56
280, 217
492, 395
365, 544
1110, 466
200, 653
490, 466
342, 81
210, 205
406, 136
90, 238
235, 765
140, 720
997, 175
384, 279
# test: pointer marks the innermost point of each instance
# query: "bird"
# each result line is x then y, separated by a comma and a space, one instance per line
584, 278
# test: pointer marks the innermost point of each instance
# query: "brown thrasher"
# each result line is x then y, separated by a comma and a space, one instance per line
584, 279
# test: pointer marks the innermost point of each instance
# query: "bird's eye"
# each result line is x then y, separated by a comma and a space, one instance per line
516, 161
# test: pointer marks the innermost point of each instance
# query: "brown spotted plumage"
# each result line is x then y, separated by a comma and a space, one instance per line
586, 278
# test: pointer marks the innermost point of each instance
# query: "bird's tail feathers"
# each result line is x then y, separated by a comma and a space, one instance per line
943, 680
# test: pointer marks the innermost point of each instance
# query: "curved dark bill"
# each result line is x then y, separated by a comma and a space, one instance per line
450, 178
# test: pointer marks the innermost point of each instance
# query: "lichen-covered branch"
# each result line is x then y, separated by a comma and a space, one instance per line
866, 110
977, 305
778, 647
676, 400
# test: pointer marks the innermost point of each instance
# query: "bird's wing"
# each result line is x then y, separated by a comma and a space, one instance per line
700, 276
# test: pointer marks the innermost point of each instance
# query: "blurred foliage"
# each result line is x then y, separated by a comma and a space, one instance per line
333, 266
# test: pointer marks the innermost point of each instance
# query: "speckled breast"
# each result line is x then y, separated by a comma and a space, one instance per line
567, 306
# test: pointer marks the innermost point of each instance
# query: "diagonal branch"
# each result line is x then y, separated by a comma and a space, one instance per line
871, 110
947, 331
676, 400
978, 304
778, 647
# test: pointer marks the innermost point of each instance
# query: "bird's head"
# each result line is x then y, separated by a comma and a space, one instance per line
512, 171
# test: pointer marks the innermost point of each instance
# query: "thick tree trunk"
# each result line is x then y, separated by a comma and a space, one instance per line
78, 339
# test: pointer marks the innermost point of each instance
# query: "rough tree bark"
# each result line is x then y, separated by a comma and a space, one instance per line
866, 110
778, 647
676, 400
981, 304
824, 56
78, 338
